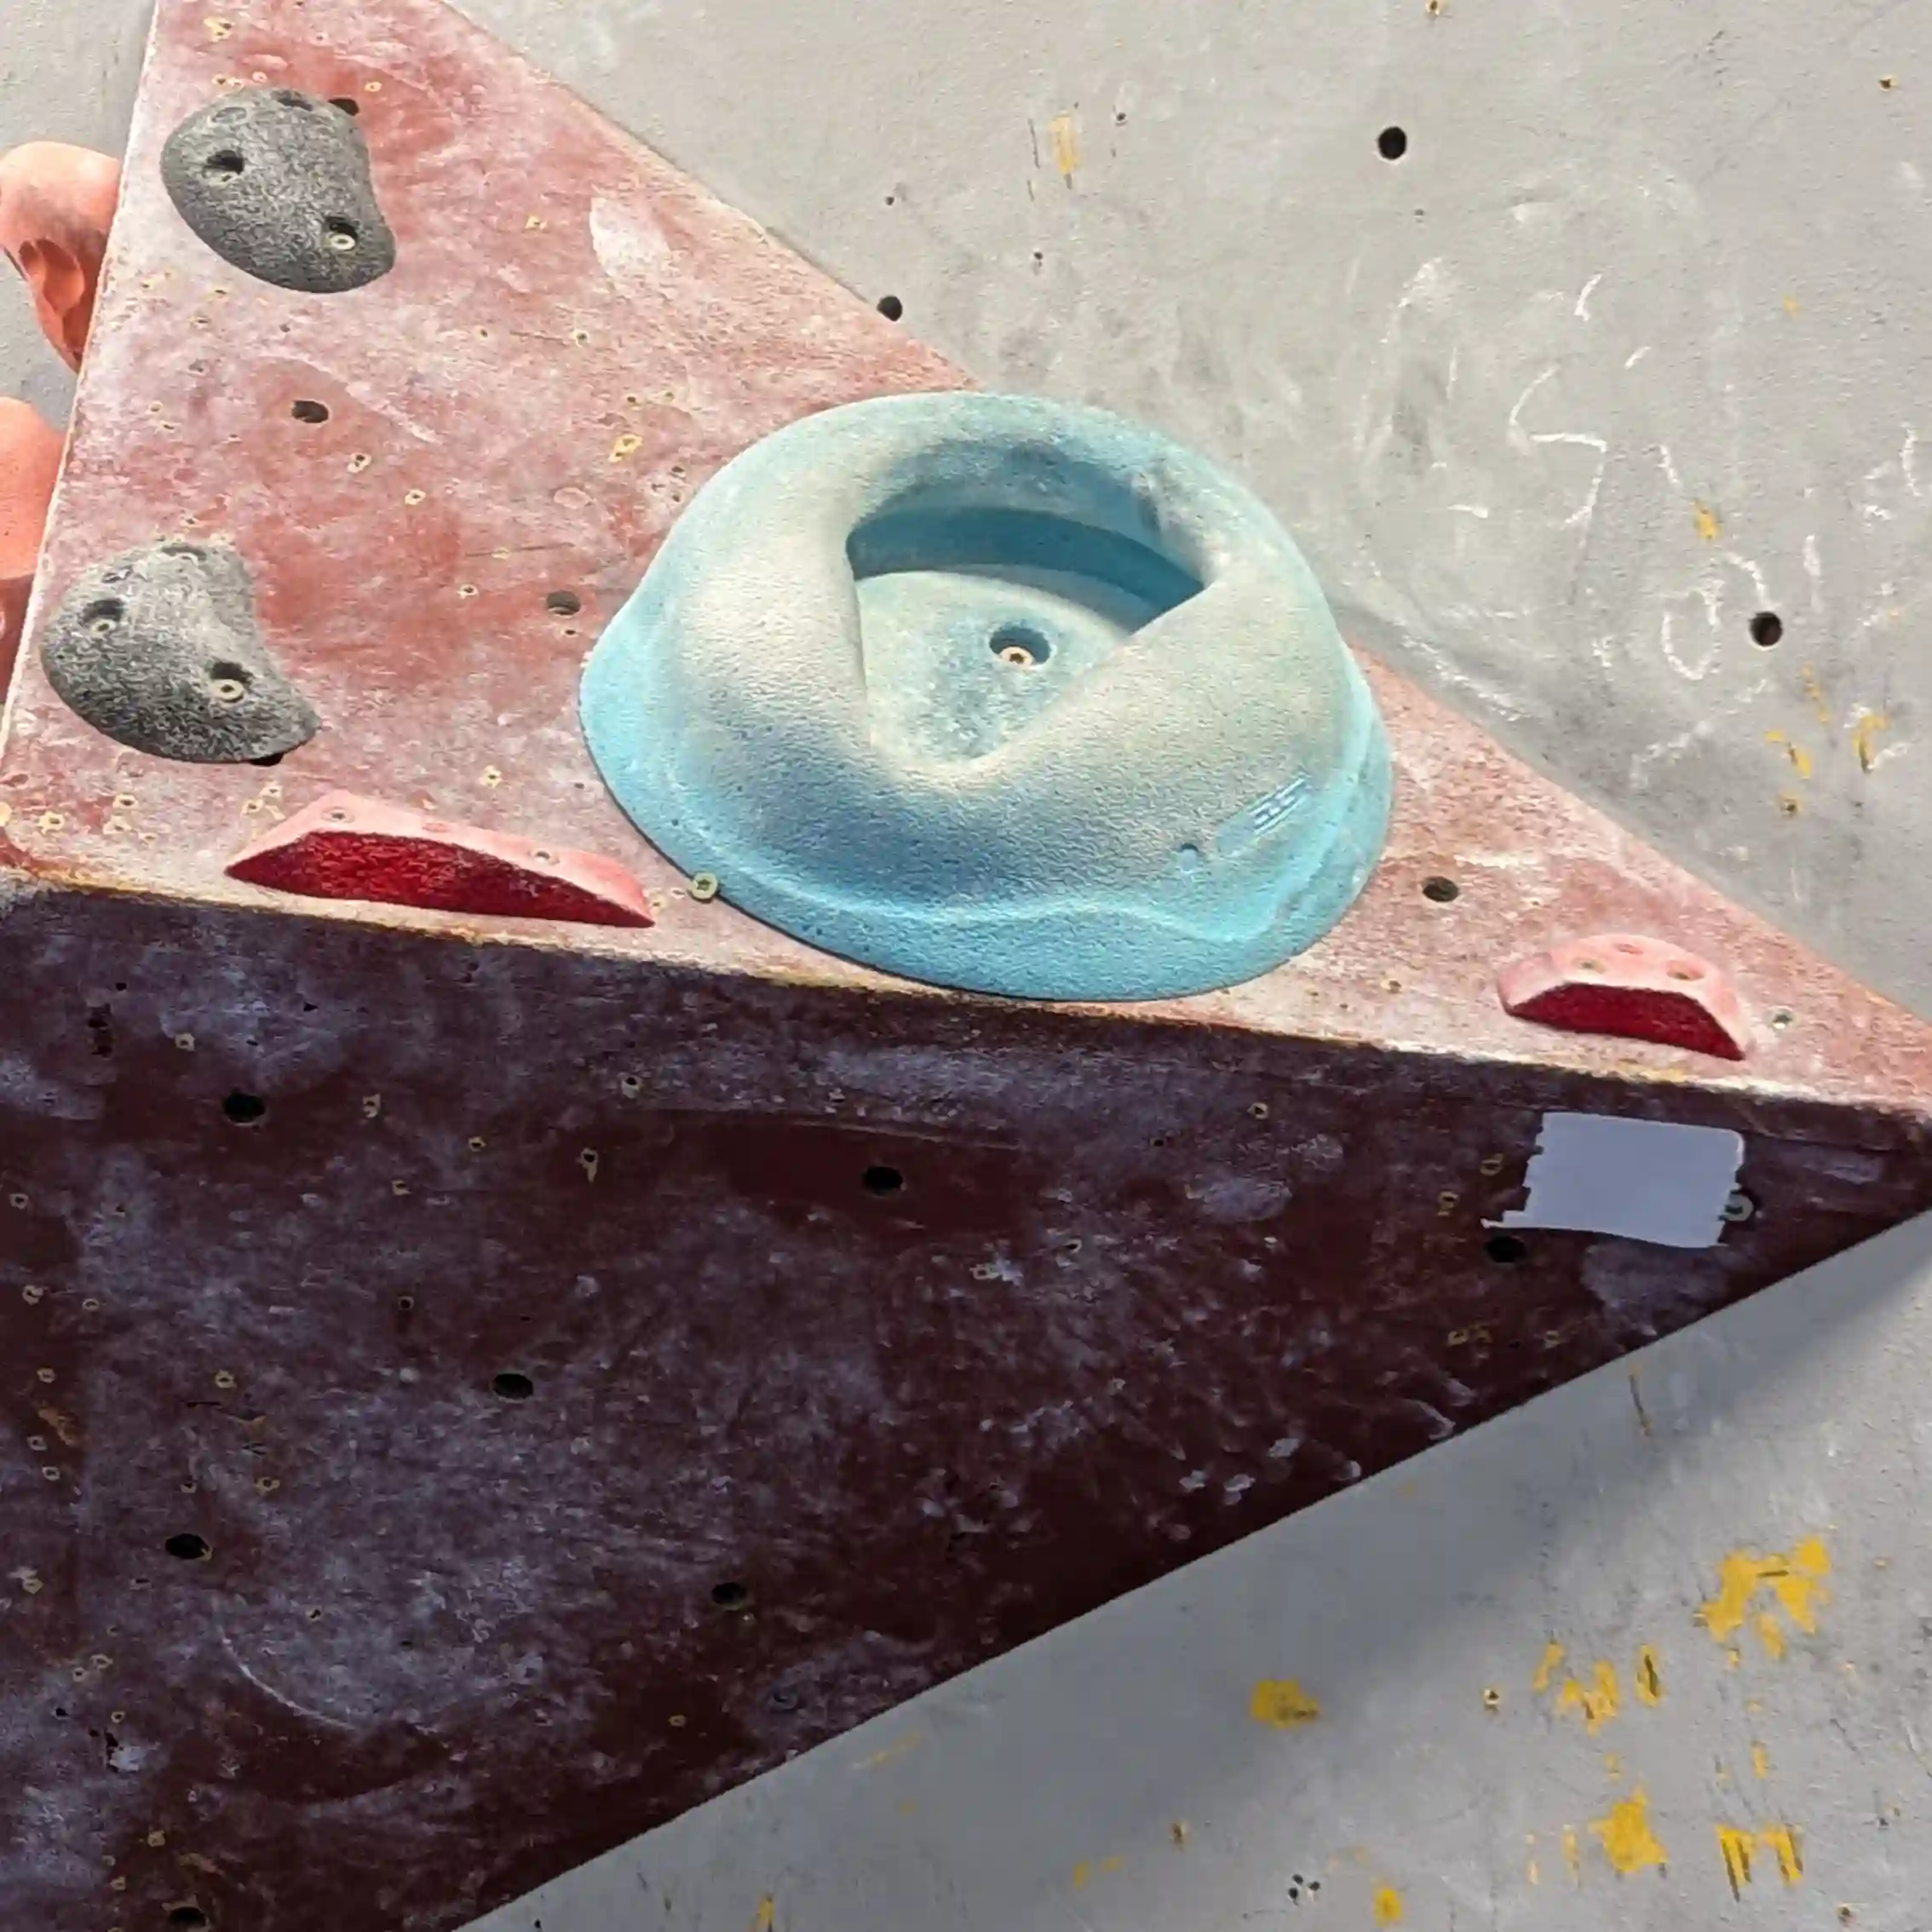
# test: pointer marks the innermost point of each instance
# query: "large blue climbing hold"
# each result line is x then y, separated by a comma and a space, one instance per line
999, 694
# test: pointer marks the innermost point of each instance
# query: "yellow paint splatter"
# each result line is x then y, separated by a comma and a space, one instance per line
1534, 1876
625, 446
1553, 1655
1865, 728
1807, 680
1282, 1702
1791, 305
766, 1916
1387, 1906
1781, 1842
1648, 1679
1571, 1856
1734, 1848
1800, 758
1082, 1872
1759, 1761
1628, 1842
1596, 1701
911, 1742
1793, 1580
1612, 1764
1708, 527
1064, 132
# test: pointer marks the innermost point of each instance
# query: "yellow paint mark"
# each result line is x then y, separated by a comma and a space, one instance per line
1064, 132
1792, 1580
1111, 1864
1800, 758
1807, 680
1596, 1701
1571, 1856
1708, 527
1865, 728
1628, 1842
1732, 1658
626, 445
1759, 1761
1791, 305
1282, 1702
1082, 1872
1612, 1764
1649, 1679
1781, 1842
766, 1916
910, 1742
1387, 1906
1534, 1876
1734, 1848
1553, 1655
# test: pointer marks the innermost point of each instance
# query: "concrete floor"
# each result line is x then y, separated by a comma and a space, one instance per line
1627, 347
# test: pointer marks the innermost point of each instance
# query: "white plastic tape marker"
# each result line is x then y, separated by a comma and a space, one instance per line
1646, 1180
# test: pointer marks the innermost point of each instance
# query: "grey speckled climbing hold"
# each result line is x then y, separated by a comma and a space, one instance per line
158, 649
277, 183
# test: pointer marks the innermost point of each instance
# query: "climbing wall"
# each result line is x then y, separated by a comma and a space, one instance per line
483, 1386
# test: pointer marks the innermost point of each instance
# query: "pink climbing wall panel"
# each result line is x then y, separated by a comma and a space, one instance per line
475, 1387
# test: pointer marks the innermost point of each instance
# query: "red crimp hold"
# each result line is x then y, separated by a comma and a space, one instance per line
1630, 987
343, 847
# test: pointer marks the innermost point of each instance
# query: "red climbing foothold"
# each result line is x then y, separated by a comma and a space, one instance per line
343, 847
1631, 987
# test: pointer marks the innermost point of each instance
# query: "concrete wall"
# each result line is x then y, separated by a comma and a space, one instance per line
1629, 345
67, 73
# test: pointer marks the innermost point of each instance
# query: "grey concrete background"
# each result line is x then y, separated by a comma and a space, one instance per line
68, 70
1629, 344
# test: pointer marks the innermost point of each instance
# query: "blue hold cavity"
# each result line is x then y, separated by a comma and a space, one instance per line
998, 694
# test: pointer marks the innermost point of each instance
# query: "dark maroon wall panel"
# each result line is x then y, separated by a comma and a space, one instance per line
473, 1388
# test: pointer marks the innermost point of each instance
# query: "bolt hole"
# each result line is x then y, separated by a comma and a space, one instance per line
229, 682
882, 1180
513, 1385
1740, 1208
348, 106
189, 1547
304, 410
244, 1109
103, 617
1392, 144
1782, 1018
225, 165
1685, 973
188, 1914
340, 235
563, 603
1766, 628
891, 308
733, 1595
1442, 892
1506, 1249
1021, 645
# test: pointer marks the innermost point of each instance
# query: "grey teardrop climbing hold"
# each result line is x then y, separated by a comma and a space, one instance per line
158, 647
277, 183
